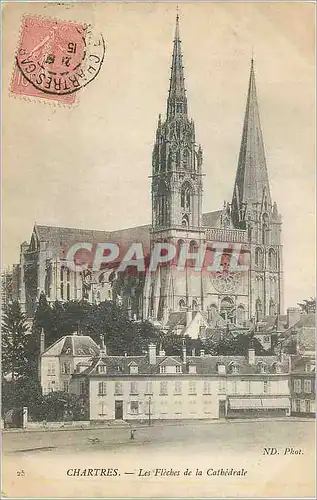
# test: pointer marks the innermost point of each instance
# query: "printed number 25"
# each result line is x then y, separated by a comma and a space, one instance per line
20, 473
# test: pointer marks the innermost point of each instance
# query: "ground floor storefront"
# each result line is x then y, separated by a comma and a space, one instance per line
253, 407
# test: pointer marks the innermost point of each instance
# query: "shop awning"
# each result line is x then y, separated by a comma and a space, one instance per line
245, 403
276, 403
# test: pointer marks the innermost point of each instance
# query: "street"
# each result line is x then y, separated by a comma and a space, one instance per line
257, 458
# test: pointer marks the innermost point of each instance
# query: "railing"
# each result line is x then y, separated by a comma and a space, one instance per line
232, 235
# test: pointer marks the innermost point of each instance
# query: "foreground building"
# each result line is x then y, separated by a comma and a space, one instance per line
59, 361
188, 387
251, 219
303, 386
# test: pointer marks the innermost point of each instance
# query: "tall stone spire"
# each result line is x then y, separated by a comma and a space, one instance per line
252, 183
177, 101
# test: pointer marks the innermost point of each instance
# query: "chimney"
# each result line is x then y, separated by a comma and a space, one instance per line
282, 356
293, 315
125, 354
152, 354
184, 357
193, 352
103, 349
251, 356
202, 353
161, 351
189, 316
42, 341
290, 364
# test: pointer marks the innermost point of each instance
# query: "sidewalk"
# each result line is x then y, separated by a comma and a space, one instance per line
156, 423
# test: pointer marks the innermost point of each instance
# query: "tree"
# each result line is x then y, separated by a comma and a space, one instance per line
230, 345
59, 406
25, 391
308, 306
14, 341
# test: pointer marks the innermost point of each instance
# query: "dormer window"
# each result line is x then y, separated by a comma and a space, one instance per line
262, 367
234, 369
178, 369
278, 368
192, 369
162, 369
101, 369
221, 368
308, 367
134, 369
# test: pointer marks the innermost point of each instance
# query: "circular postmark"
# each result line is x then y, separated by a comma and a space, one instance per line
61, 59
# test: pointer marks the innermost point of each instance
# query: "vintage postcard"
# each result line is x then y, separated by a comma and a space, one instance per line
158, 250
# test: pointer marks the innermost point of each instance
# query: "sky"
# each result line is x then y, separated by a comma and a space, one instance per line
87, 165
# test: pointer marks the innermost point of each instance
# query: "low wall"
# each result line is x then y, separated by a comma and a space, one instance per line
58, 425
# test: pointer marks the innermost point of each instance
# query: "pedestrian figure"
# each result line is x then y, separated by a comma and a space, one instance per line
132, 433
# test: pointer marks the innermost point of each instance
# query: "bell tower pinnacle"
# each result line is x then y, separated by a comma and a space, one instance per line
177, 160
177, 100
176, 197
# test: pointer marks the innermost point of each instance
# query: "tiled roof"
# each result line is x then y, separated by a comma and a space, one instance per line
176, 318
205, 365
73, 345
61, 238
303, 333
306, 321
211, 219
299, 364
269, 322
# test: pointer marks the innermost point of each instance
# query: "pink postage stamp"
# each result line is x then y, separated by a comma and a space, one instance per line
55, 59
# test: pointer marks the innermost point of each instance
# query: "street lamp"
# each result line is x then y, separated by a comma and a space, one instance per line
149, 411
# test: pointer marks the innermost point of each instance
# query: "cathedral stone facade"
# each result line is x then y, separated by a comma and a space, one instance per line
251, 219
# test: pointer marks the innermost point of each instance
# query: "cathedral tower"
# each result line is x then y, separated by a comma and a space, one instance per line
253, 210
176, 197
177, 161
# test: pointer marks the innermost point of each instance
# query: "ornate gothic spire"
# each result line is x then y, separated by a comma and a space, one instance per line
177, 101
252, 183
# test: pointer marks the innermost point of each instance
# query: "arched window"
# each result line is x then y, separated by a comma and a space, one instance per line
186, 195
162, 210
195, 305
258, 257
62, 273
162, 204
193, 249
62, 291
185, 158
48, 281
240, 316
272, 259
68, 291
272, 308
227, 309
182, 305
258, 310
185, 221
265, 229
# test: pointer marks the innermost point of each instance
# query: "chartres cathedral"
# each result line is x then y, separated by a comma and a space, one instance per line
250, 219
